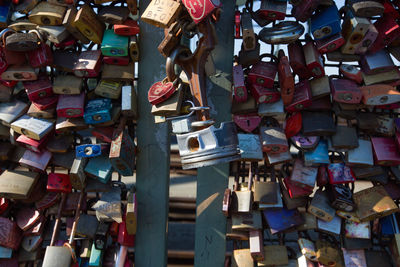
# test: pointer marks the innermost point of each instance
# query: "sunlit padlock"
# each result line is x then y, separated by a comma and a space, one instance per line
113, 14
209, 146
273, 138
353, 30
368, 40
378, 62
88, 64
128, 28
114, 44
199, 11
325, 23
366, 8
47, 14
351, 72
87, 23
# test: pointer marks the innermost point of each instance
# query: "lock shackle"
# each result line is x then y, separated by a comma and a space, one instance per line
270, 122
341, 155
273, 57
39, 35
4, 33
172, 60
58, 219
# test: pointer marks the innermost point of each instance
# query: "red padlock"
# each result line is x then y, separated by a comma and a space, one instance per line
124, 239
39, 89
239, 88
201, 9
32, 144
128, 28
237, 25
59, 182
71, 106
304, 9
351, 72
386, 152
42, 56
345, 91
263, 94
293, 125
339, 173
161, 91
313, 60
297, 60
248, 122
88, 64
286, 80
46, 103
388, 31
302, 97
330, 44
4, 204
263, 73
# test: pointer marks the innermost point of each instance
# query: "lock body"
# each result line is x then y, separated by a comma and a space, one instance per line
70, 106
301, 98
114, 44
97, 111
325, 23
122, 153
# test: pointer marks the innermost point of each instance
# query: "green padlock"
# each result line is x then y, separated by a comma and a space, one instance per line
114, 45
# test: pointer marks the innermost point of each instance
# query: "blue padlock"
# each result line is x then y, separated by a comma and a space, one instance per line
88, 150
100, 167
325, 23
114, 45
98, 111
318, 156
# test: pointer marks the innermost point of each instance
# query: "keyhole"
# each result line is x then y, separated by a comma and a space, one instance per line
248, 123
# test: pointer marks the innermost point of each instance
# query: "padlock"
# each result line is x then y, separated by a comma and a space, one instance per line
373, 203
98, 111
70, 106
277, 223
249, 57
247, 122
58, 182
354, 257
303, 176
27, 217
36, 161
250, 147
131, 212
77, 175
332, 227
19, 73
318, 156
65, 60
42, 56
11, 111
320, 206
367, 8
119, 72
122, 152
161, 91
67, 84
294, 190
377, 62
286, 80
345, 91
304, 9
256, 245
8, 57
361, 155
46, 102
87, 226
385, 151
108, 89
88, 64
263, 73
325, 23
320, 87
341, 198
20, 186
307, 248
357, 230
171, 40
124, 61
330, 44
32, 127
390, 77
161, 14
47, 14
272, 137
242, 201
292, 203
128, 28
55, 34
199, 11
22, 42
195, 146
327, 254
31, 144
11, 234
379, 94
265, 191
301, 97
345, 137
99, 167
388, 31
242, 258
68, 23
113, 14
272, 9
87, 23
274, 255
368, 40
88, 150
114, 44
263, 94
38, 89
59, 143
351, 72
248, 35
239, 87
354, 30
313, 60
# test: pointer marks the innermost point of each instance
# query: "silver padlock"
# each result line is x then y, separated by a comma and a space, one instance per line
182, 125
209, 146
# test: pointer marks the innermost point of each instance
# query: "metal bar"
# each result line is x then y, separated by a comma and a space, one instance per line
210, 240
153, 155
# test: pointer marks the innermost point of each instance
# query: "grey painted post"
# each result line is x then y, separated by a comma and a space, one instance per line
212, 181
152, 177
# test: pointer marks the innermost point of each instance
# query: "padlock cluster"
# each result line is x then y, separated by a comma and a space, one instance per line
319, 133
68, 110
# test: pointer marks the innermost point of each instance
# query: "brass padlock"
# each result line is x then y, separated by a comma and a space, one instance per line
68, 23
108, 89
327, 254
321, 207
87, 23
47, 14
161, 13
17, 184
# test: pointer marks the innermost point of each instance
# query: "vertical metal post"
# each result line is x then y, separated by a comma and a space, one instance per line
210, 243
153, 156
